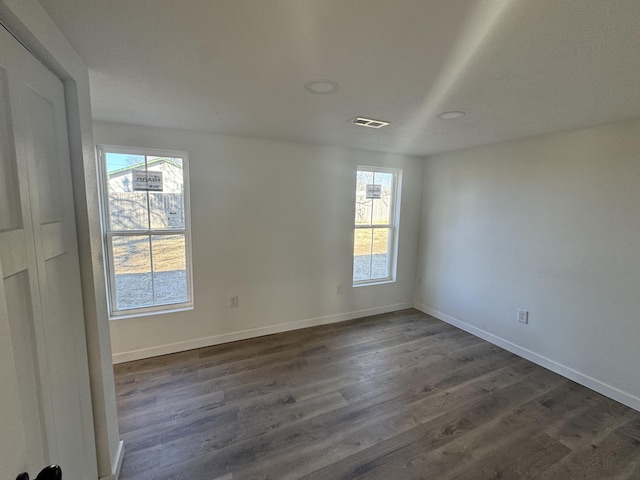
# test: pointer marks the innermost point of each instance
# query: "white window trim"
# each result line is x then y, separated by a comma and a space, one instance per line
107, 234
394, 226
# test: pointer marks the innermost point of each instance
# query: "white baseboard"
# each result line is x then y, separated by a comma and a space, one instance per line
117, 463
585, 380
252, 333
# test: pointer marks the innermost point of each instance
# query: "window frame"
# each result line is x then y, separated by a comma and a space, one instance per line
393, 226
108, 234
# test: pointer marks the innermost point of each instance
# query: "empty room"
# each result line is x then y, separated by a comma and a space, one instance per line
320, 239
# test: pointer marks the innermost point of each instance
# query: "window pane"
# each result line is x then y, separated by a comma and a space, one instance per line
132, 271
380, 257
127, 209
362, 247
169, 269
375, 224
382, 205
363, 204
148, 267
167, 207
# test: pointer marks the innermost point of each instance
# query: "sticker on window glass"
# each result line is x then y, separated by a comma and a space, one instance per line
173, 220
374, 191
147, 181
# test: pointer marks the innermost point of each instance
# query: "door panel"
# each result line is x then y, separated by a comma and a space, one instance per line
44, 150
17, 291
14, 455
10, 214
40, 281
18, 280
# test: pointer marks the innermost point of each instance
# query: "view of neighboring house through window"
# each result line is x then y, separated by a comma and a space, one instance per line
375, 235
145, 203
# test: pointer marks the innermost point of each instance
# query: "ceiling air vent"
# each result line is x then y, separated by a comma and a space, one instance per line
368, 122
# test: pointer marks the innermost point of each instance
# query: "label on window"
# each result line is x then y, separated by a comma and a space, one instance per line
147, 181
374, 191
173, 220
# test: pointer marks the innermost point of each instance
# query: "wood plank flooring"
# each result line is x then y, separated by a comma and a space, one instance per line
393, 397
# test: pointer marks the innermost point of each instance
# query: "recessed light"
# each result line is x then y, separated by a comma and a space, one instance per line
321, 87
369, 122
451, 115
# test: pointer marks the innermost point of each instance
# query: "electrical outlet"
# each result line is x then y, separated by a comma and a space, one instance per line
523, 316
233, 301
339, 289
419, 282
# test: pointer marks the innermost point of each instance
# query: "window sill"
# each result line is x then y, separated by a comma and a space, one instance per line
147, 313
374, 282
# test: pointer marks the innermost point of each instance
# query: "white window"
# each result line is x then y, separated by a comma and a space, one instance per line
145, 206
376, 225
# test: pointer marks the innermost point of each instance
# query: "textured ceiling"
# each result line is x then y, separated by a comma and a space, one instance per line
517, 67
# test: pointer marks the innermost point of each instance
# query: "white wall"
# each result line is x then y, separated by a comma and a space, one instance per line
551, 225
273, 223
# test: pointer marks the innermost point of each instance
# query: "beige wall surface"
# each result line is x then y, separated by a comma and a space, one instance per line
550, 225
272, 222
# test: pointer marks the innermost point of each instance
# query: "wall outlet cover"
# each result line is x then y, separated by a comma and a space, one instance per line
523, 316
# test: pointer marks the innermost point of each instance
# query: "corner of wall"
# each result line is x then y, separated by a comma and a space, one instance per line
567, 372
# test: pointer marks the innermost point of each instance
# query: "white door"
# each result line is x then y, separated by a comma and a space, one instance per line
45, 402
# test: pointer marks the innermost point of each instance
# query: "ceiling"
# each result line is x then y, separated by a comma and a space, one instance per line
518, 68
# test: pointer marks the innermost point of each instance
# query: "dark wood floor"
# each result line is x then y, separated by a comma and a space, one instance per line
396, 396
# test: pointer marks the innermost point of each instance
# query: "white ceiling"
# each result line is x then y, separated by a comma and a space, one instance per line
517, 67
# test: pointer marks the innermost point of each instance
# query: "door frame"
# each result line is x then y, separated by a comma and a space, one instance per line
29, 23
